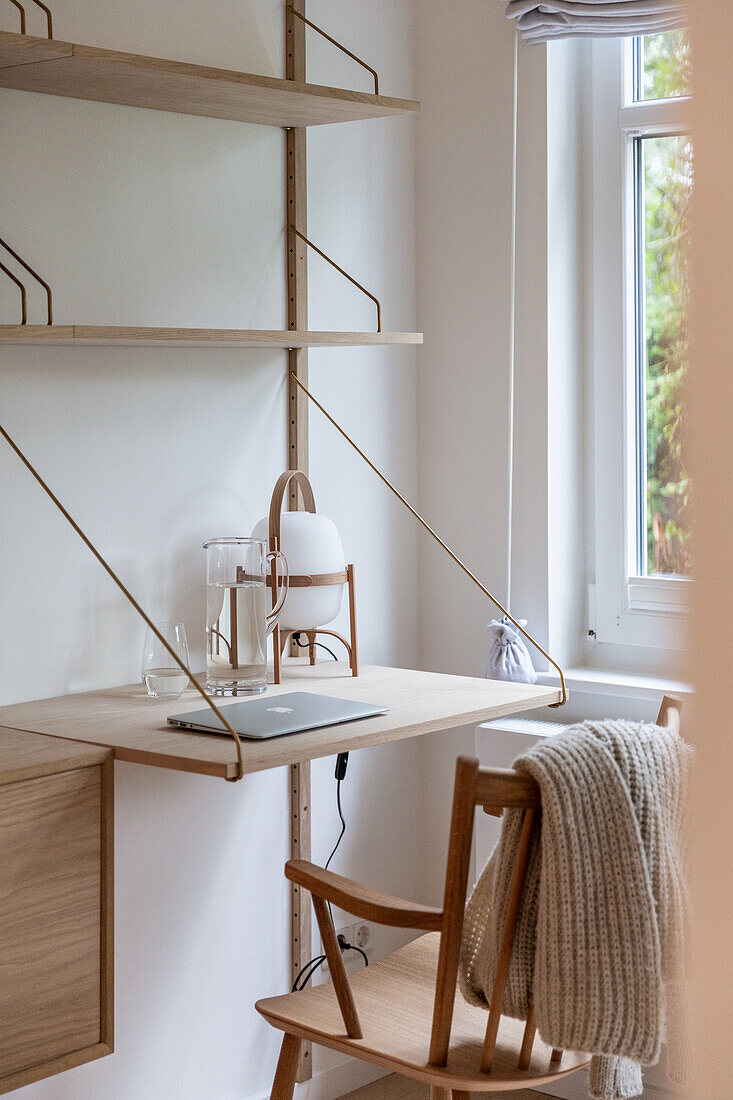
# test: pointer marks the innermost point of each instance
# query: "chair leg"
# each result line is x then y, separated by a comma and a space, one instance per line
459, 1095
530, 1029
437, 1093
287, 1068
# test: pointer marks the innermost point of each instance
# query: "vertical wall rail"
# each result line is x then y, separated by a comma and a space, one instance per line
296, 215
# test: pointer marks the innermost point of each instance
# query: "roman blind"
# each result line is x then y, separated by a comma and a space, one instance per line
543, 22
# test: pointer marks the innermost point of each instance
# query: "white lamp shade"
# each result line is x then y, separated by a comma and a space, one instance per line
311, 543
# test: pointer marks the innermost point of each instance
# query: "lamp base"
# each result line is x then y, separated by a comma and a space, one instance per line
280, 637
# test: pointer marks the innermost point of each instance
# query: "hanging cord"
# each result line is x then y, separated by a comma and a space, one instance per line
307, 972
131, 599
512, 324
439, 540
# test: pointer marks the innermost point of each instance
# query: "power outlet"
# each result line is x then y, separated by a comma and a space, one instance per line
362, 936
359, 934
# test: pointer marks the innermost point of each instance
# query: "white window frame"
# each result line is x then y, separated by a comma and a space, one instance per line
624, 609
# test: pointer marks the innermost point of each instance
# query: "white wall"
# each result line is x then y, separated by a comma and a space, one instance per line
140, 217
464, 83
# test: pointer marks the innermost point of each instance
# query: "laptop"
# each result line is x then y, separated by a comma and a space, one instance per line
275, 715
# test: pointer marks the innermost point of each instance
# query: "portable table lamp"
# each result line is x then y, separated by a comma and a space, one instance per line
318, 573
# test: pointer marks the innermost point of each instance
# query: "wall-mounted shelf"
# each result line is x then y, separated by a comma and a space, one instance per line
78, 335
86, 72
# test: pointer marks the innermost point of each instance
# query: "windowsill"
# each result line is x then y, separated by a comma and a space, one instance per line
611, 683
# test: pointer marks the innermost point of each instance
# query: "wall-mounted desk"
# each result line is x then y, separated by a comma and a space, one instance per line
134, 726
54, 751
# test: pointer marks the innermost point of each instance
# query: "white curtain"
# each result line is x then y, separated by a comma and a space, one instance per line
544, 21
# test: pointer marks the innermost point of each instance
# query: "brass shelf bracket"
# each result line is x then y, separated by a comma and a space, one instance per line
23, 303
36, 276
21, 9
338, 45
49, 17
451, 553
345, 274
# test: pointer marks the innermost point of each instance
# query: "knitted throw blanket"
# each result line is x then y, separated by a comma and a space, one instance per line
599, 946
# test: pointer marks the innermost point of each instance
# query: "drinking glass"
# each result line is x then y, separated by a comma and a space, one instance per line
162, 677
237, 619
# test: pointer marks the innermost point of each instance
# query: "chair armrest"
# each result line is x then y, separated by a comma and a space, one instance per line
363, 902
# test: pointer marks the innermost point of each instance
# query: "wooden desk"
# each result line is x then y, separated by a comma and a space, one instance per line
134, 726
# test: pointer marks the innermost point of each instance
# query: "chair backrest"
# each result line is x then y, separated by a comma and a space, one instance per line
494, 789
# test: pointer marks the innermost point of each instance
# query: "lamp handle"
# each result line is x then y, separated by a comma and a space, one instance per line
278, 496
274, 556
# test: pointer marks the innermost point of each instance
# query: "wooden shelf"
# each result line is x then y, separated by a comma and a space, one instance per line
85, 72
134, 726
95, 336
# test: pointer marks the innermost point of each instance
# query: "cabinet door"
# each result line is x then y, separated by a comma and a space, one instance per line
55, 923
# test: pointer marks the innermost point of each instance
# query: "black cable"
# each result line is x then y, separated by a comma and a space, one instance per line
307, 972
353, 947
311, 966
341, 834
343, 823
306, 645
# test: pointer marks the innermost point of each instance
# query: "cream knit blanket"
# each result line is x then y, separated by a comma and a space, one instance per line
600, 939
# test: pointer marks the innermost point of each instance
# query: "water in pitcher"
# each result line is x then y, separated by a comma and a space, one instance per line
236, 656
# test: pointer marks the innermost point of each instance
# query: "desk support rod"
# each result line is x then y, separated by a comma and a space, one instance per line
440, 541
130, 599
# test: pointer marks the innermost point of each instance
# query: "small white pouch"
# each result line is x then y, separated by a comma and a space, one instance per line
508, 657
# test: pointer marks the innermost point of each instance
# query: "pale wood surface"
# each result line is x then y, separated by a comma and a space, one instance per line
296, 418
27, 755
503, 788
362, 901
20, 49
401, 1088
133, 725
130, 336
85, 72
339, 978
55, 924
507, 944
454, 903
287, 1068
394, 999
406, 1013
301, 950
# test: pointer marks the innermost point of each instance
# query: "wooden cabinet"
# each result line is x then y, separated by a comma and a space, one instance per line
56, 986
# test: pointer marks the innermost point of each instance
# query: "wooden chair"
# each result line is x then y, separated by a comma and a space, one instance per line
410, 1018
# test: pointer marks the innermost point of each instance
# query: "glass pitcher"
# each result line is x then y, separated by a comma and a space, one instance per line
237, 620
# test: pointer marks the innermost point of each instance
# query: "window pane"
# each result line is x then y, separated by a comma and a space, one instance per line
664, 165
662, 66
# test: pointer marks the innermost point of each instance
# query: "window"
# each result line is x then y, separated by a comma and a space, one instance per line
641, 190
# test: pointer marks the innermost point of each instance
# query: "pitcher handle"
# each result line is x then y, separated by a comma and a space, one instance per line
284, 582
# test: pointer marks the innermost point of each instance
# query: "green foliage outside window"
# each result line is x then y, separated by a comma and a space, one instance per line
667, 166
666, 69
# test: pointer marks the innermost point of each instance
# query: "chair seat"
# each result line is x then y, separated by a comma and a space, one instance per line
394, 999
